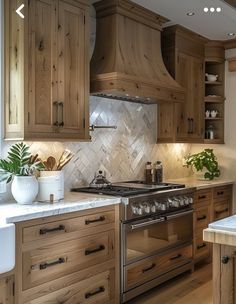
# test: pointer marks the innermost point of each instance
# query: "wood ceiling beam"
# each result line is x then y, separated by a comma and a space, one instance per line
231, 2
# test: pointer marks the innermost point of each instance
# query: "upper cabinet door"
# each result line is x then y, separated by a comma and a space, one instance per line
73, 69
42, 82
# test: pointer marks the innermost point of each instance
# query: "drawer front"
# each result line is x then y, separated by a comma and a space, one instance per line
201, 248
202, 197
221, 210
221, 193
140, 272
55, 260
52, 229
201, 218
98, 289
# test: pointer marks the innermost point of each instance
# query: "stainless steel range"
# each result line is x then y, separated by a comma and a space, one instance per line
156, 233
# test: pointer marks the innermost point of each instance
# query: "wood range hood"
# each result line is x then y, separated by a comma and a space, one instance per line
127, 62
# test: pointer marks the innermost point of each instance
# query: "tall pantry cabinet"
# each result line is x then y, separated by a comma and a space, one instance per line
183, 54
47, 70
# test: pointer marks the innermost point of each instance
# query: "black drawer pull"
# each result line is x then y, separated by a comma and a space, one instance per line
91, 251
202, 196
48, 230
225, 259
176, 257
149, 268
46, 265
201, 246
100, 219
93, 293
220, 192
221, 211
201, 218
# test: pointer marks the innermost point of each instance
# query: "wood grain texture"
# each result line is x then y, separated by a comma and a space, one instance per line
129, 60
232, 64
6, 290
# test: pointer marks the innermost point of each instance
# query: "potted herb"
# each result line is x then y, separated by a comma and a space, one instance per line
20, 167
204, 161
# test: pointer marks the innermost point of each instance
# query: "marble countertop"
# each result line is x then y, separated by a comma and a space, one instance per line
222, 231
201, 184
11, 212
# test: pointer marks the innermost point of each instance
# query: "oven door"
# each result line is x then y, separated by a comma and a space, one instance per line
147, 237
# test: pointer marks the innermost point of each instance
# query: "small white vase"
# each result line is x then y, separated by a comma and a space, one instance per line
24, 189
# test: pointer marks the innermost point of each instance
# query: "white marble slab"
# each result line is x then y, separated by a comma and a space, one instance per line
11, 212
226, 224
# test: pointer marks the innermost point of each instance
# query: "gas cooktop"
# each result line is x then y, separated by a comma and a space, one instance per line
126, 189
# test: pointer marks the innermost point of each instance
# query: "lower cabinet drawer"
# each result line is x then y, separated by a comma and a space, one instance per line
201, 218
221, 210
201, 248
52, 261
139, 272
97, 289
223, 192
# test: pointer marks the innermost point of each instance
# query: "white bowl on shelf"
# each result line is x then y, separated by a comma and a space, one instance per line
211, 77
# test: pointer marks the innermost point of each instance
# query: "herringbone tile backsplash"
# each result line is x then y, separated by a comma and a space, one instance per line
123, 152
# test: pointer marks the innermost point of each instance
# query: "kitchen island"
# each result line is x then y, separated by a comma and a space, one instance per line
223, 236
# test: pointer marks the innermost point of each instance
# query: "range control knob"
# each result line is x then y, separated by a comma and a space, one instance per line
153, 207
146, 207
134, 209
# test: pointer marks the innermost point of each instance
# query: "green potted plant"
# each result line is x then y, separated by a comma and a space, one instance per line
20, 168
204, 161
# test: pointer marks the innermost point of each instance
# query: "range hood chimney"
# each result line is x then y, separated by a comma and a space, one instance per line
127, 62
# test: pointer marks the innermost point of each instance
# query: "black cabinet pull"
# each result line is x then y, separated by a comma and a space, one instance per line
221, 211
149, 268
176, 257
220, 192
93, 293
225, 259
189, 126
91, 251
201, 246
48, 230
46, 265
100, 219
201, 196
201, 218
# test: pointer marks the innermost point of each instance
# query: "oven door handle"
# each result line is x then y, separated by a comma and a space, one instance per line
147, 223
170, 217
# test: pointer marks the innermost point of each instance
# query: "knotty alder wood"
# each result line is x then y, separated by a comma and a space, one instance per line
77, 263
183, 54
6, 290
47, 70
129, 60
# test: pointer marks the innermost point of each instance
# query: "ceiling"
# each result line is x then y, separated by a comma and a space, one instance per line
214, 26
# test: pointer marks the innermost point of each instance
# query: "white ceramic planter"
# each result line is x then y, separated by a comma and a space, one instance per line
24, 189
56, 175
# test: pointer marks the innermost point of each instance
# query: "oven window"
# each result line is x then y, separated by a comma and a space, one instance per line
153, 238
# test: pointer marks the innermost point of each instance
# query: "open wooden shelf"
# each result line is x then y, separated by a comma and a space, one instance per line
214, 99
213, 118
214, 141
213, 82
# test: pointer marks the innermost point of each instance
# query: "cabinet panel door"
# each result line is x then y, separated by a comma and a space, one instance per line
195, 105
6, 290
72, 60
183, 77
42, 64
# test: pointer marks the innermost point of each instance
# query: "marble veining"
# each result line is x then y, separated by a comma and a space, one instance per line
226, 224
12, 212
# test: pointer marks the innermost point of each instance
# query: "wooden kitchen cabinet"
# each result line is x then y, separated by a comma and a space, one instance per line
183, 54
210, 204
71, 258
7, 290
47, 70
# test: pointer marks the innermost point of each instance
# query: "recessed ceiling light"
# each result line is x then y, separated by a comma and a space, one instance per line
190, 14
206, 9
218, 9
212, 9
231, 34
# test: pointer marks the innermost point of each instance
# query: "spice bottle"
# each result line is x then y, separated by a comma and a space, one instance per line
158, 172
149, 173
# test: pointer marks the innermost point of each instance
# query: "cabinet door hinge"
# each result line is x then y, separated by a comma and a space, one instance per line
28, 117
